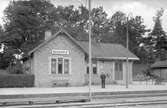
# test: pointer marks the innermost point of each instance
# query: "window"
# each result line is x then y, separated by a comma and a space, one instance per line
53, 66
66, 66
60, 65
87, 70
94, 67
94, 70
118, 70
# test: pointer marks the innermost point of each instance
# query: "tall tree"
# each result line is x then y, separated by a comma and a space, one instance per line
76, 21
136, 30
157, 38
25, 23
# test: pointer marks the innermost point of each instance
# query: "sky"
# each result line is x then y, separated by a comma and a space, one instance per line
145, 8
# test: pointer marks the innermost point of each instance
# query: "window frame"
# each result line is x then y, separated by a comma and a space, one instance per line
69, 61
50, 66
94, 65
50, 63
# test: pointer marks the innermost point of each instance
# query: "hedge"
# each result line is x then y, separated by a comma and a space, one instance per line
16, 80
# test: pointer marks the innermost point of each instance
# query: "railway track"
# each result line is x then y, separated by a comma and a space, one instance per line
94, 104
111, 99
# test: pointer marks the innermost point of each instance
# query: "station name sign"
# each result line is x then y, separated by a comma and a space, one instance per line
60, 51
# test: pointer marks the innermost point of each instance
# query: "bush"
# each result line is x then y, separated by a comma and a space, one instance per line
15, 68
16, 80
148, 73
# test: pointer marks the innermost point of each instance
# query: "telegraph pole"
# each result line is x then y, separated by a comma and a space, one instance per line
127, 46
127, 61
90, 52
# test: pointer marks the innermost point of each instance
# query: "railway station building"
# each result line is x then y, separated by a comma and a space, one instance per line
61, 60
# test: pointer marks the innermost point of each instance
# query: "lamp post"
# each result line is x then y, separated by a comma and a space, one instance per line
127, 46
127, 61
90, 52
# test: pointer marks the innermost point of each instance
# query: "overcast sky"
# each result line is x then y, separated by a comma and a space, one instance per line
144, 8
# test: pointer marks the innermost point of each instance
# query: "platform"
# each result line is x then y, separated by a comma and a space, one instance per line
83, 89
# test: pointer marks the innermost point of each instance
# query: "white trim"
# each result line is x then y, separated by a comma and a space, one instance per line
119, 58
57, 52
63, 66
56, 65
49, 65
113, 69
69, 65
98, 68
124, 71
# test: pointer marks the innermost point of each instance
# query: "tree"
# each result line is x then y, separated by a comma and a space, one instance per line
25, 23
75, 21
136, 30
157, 39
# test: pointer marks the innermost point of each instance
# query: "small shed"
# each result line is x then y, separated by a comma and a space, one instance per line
160, 69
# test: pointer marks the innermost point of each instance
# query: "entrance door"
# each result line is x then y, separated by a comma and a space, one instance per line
118, 70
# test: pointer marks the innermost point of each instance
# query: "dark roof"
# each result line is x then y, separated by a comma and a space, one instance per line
108, 50
99, 50
159, 64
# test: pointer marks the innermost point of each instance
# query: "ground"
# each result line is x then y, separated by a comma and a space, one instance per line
10, 92
109, 88
145, 106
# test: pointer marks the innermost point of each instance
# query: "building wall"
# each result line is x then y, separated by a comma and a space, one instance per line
130, 64
41, 64
102, 66
138, 69
27, 67
108, 67
161, 73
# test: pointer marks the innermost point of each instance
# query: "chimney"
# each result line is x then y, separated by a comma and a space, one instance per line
48, 34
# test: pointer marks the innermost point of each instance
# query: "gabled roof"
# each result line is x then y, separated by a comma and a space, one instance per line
99, 50
52, 37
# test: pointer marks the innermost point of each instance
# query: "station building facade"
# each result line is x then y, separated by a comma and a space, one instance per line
63, 61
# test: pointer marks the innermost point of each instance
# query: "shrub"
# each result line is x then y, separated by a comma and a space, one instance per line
15, 68
16, 80
148, 73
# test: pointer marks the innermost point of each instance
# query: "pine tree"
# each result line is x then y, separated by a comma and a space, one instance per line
158, 37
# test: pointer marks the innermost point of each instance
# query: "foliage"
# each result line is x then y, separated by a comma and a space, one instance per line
156, 40
25, 24
75, 21
136, 31
26, 21
4, 61
15, 68
149, 73
15, 80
